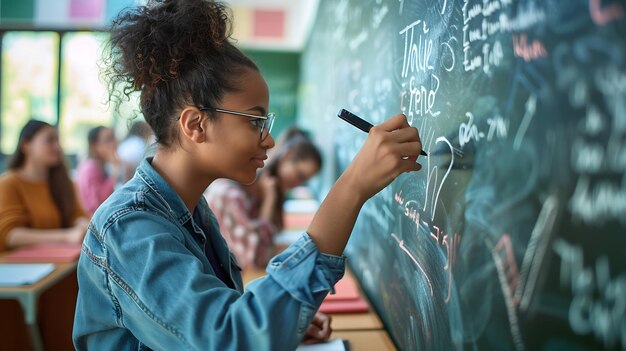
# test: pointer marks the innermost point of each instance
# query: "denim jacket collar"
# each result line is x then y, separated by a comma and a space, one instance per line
163, 190
209, 229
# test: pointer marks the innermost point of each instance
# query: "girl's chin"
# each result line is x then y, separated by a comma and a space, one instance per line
247, 179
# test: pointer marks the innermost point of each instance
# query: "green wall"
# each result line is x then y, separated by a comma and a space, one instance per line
281, 71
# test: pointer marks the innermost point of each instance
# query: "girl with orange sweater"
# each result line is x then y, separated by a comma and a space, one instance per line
38, 203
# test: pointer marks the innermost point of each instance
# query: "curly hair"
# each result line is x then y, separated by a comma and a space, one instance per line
176, 53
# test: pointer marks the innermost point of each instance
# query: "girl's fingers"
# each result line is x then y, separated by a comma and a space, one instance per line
395, 122
405, 135
409, 149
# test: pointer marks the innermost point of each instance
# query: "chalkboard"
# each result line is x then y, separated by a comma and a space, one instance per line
513, 235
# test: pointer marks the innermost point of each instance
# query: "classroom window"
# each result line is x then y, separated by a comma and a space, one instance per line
69, 93
83, 93
29, 82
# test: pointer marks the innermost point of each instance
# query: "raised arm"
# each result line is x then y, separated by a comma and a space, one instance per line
391, 148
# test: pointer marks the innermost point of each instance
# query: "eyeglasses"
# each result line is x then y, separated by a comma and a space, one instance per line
264, 123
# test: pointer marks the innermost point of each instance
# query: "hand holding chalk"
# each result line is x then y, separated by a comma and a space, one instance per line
381, 160
361, 123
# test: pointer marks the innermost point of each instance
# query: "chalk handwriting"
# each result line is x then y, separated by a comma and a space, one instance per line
433, 173
506, 267
378, 16
484, 20
604, 15
598, 305
354, 43
529, 113
504, 249
449, 53
403, 248
599, 202
536, 250
498, 128
417, 55
587, 156
528, 51
421, 99
593, 123
469, 131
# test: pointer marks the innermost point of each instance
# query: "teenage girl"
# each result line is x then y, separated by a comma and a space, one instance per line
155, 273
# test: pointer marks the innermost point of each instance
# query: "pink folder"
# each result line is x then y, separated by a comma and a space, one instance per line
346, 306
346, 298
45, 253
297, 220
345, 289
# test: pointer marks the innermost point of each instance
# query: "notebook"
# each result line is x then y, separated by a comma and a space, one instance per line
23, 274
331, 345
46, 253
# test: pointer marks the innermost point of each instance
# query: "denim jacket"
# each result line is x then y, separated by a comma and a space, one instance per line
146, 283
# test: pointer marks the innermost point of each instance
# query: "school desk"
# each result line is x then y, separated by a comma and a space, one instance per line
49, 303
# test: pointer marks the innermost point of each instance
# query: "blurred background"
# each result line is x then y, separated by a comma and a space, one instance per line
50, 52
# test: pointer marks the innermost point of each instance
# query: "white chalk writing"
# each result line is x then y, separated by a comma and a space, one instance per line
598, 306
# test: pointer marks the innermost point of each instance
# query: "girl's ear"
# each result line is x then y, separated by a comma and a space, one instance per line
193, 125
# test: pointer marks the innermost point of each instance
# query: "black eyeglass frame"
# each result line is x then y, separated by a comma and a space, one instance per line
267, 119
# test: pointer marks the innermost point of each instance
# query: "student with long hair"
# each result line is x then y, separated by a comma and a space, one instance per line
38, 203
155, 272
250, 215
99, 173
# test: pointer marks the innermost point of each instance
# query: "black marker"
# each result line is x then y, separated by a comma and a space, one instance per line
360, 123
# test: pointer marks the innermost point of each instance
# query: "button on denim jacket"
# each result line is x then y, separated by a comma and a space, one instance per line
145, 281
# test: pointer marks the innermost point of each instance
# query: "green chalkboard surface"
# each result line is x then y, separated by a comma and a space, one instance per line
513, 235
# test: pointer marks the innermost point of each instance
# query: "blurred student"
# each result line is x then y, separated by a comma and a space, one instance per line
38, 203
250, 215
98, 174
133, 148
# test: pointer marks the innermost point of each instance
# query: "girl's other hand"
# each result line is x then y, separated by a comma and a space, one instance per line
319, 330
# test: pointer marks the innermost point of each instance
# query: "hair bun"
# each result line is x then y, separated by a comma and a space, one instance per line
162, 40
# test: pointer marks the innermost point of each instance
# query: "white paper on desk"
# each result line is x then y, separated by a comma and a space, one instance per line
23, 274
287, 237
301, 206
332, 345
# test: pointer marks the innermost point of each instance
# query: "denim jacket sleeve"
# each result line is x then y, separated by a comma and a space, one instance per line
163, 294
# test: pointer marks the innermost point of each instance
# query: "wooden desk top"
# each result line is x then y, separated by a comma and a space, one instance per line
356, 321
61, 270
